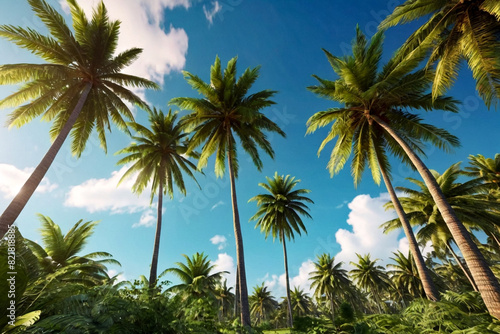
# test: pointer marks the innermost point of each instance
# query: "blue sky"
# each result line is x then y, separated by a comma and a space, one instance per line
285, 38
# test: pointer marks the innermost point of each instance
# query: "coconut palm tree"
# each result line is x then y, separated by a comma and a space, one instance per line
225, 298
60, 253
371, 278
373, 104
80, 87
330, 280
456, 30
159, 158
404, 276
365, 94
278, 214
468, 200
488, 170
301, 302
227, 112
262, 303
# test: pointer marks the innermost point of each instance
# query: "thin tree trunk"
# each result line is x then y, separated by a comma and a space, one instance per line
156, 247
461, 265
423, 272
236, 292
289, 315
240, 256
486, 281
17, 205
332, 308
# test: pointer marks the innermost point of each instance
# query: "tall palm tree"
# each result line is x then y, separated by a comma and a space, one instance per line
279, 213
455, 30
330, 280
371, 278
468, 200
366, 93
372, 111
262, 303
225, 297
79, 88
227, 112
60, 253
159, 158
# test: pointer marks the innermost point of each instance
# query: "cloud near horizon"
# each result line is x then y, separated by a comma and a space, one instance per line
225, 262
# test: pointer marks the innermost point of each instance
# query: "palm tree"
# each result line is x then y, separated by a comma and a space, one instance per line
60, 253
371, 278
330, 280
225, 112
468, 200
301, 302
225, 297
279, 213
79, 88
373, 113
456, 29
404, 275
262, 303
367, 94
159, 158
487, 169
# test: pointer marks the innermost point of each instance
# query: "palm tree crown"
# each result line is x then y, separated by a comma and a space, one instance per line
262, 303
456, 29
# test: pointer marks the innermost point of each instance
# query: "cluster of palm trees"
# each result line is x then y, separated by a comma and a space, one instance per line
81, 87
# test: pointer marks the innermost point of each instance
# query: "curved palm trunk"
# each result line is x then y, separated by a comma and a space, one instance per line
156, 248
423, 272
17, 205
289, 301
240, 256
461, 265
487, 283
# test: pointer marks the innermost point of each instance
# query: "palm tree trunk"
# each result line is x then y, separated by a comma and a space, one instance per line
423, 272
289, 301
487, 283
156, 247
240, 256
17, 205
236, 292
332, 308
461, 265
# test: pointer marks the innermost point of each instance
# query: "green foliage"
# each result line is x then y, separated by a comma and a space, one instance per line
312, 326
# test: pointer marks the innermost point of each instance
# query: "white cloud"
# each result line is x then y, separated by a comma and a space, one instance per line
366, 216
104, 195
404, 247
164, 46
341, 205
120, 278
219, 240
277, 284
147, 219
225, 262
210, 14
219, 203
13, 179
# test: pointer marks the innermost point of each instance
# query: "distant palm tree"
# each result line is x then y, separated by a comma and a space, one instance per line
79, 88
456, 29
279, 214
60, 253
404, 276
198, 279
225, 298
225, 112
301, 302
372, 120
159, 157
371, 278
329, 280
367, 94
262, 303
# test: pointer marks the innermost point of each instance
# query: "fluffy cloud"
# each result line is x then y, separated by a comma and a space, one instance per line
142, 25
219, 240
104, 195
210, 14
225, 262
13, 179
277, 284
147, 219
366, 216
